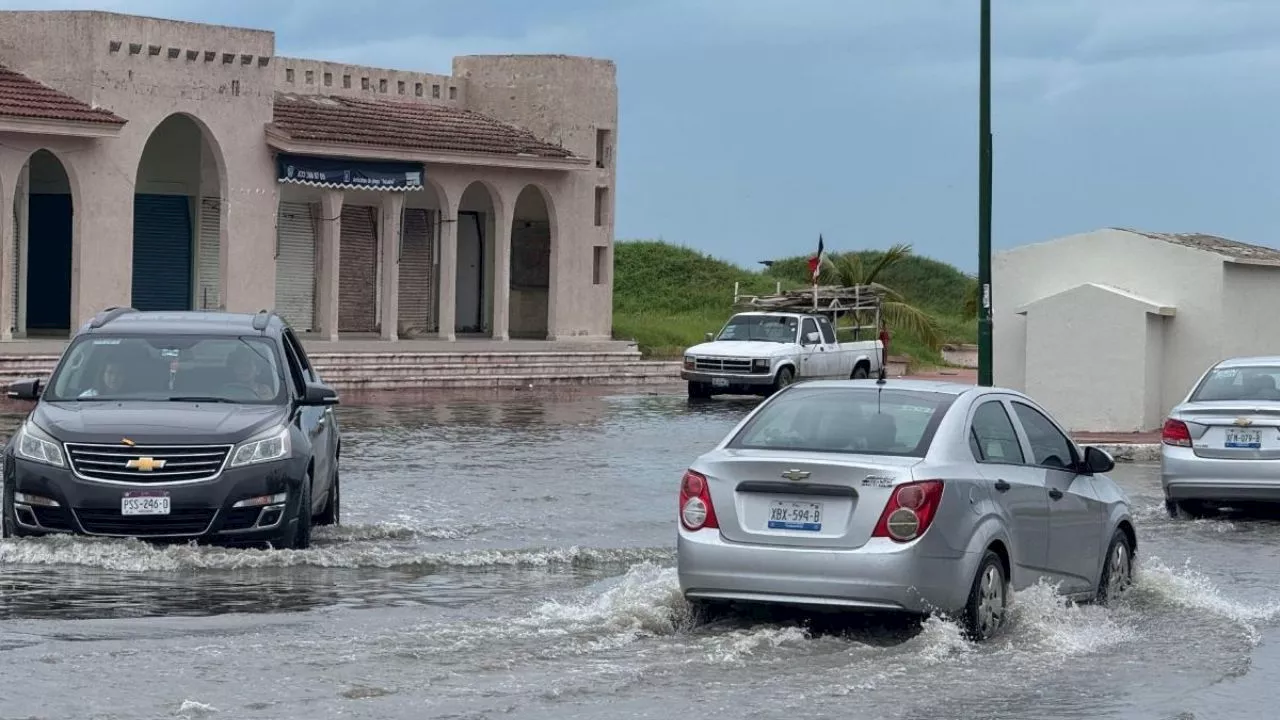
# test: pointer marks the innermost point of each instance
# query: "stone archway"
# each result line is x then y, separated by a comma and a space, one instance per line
531, 240
42, 294
477, 211
177, 218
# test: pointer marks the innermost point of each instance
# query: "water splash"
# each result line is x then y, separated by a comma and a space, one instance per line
129, 555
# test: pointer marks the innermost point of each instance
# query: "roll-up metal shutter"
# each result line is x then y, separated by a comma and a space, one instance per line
49, 268
416, 265
162, 253
358, 271
296, 266
207, 270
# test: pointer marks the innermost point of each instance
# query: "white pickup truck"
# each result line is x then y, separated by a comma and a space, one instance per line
758, 353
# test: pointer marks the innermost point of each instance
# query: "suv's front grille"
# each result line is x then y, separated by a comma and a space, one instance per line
180, 521
732, 365
147, 463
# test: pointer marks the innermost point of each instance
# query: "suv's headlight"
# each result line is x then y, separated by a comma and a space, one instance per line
35, 445
264, 449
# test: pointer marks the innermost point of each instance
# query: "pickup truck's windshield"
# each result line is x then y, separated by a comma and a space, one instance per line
760, 328
179, 368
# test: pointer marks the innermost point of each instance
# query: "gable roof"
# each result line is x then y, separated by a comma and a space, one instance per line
1146, 304
22, 97
1232, 250
404, 126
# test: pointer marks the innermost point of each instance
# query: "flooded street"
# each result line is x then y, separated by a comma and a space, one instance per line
515, 558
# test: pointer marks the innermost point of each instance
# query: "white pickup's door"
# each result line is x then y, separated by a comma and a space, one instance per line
839, 362
813, 356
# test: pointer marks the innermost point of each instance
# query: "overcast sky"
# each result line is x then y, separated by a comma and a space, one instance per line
749, 126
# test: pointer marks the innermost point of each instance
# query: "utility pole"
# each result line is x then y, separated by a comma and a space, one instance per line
984, 201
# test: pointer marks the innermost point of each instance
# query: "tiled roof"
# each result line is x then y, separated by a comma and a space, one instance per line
20, 96
403, 125
1219, 245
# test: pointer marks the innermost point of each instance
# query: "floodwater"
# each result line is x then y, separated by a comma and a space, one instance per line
515, 558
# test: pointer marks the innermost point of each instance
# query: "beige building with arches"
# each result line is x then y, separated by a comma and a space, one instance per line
172, 166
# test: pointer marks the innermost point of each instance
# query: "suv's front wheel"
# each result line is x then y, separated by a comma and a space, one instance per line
296, 534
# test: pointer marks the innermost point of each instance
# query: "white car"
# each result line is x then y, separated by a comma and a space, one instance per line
759, 353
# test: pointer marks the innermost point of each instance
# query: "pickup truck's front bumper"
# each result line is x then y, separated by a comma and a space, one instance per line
727, 382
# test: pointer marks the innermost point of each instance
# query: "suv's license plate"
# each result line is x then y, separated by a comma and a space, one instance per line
144, 504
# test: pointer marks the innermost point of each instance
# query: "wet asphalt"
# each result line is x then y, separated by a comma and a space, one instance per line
514, 557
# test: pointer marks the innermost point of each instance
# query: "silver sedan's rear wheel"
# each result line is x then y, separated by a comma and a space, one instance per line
988, 604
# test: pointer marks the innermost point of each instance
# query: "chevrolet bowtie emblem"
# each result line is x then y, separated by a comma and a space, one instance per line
795, 475
1243, 422
145, 464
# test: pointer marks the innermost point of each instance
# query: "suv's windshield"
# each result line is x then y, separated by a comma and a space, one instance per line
763, 328
1250, 384
160, 367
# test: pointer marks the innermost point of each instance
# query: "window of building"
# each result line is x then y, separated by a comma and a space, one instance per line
288, 75
346, 81
311, 77
382, 85
599, 256
453, 93
364, 83
435, 91
328, 79
417, 89
400, 87
602, 205
604, 147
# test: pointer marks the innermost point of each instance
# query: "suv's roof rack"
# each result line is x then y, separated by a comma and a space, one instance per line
262, 319
108, 315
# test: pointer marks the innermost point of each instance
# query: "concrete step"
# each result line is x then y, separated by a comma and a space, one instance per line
334, 373
499, 381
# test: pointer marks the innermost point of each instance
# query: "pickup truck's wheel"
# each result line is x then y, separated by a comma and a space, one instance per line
699, 390
784, 378
860, 372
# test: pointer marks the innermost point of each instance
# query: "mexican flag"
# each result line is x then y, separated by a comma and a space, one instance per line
815, 262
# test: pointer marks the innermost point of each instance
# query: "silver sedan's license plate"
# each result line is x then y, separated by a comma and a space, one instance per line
144, 503
785, 515
1244, 439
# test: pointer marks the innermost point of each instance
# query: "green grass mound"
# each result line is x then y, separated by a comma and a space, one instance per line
666, 297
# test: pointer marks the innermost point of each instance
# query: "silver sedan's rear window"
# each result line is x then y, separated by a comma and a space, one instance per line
1252, 383
846, 420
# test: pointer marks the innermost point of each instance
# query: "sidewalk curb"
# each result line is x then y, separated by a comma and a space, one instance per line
1130, 452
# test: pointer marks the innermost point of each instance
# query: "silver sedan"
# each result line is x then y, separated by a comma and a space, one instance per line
907, 496
1221, 445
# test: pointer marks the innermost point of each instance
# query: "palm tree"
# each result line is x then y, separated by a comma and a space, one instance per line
847, 269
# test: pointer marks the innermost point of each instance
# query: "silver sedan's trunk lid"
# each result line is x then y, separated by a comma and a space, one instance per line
1229, 429
830, 500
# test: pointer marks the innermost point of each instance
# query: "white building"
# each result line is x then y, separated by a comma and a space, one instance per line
1109, 329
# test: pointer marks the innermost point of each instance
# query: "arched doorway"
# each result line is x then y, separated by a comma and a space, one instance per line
474, 308
417, 304
43, 241
530, 265
177, 209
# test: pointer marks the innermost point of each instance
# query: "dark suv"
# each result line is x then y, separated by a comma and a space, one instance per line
204, 426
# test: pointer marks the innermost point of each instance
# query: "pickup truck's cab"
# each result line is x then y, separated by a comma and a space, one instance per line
758, 353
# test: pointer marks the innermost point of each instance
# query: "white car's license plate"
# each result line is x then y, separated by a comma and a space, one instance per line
1244, 439
719, 382
144, 503
784, 515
